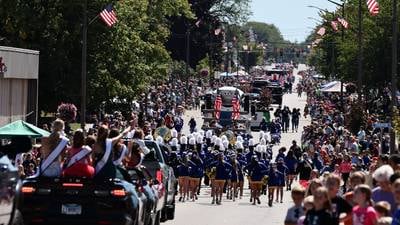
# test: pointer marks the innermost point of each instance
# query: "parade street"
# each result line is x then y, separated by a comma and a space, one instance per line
240, 212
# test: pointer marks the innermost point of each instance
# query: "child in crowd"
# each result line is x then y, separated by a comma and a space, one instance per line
364, 213
308, 204
321, 214
341, 209
296, 211
383, 210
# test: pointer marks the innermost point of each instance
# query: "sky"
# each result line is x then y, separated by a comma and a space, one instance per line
290, 16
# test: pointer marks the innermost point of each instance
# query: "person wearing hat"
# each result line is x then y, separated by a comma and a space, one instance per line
222, 174
256, 172
196, 172
209, 135
183, 178
183, 141
235, 179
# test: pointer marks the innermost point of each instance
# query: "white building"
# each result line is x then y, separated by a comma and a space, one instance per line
19, 69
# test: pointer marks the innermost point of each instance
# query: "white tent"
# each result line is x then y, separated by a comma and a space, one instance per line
225, 74
334, 87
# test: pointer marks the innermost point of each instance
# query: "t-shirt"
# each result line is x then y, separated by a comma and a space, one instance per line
364, 216
293, 214
320, 217
339, 205
396, 218
379, 195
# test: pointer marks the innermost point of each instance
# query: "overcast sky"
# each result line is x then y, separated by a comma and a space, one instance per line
290, 16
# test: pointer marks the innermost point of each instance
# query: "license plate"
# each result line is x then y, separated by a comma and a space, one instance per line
71, 209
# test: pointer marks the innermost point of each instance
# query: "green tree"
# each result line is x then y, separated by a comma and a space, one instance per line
377, 32
122, 60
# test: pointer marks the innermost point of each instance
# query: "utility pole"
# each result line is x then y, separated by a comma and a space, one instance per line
394, 74
84, 52
360, 52
341, 80
187, 52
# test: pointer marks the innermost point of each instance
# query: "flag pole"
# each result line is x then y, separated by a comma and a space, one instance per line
360, 51
394, 74
84, 52
91, 21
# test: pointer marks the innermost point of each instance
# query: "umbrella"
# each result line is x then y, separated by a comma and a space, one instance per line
22, 128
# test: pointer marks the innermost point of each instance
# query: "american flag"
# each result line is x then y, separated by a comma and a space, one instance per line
373, 7
344, 22
334, 25
218, 106
235, 108
321, 31
108, 15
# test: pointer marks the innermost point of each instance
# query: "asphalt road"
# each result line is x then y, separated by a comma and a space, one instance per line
241, 212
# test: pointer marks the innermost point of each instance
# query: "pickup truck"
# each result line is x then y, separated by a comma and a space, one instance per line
156, 163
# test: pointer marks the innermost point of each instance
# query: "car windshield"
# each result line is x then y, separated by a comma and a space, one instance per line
154, 154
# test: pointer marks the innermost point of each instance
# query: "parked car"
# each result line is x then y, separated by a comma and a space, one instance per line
156, 163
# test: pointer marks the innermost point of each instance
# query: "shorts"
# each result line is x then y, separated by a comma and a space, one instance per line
194, 179
219, 182
256, 185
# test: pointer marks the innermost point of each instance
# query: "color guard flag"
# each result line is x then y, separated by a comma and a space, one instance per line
108, 15
235, 108
217, 107
373, 7
334, 25
321, 31
344, 23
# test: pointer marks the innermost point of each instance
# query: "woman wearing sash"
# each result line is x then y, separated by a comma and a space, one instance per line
79, 160
52, 148
102, 152
120, 151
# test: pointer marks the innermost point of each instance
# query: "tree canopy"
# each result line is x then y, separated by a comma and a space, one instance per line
122, 60
338, 57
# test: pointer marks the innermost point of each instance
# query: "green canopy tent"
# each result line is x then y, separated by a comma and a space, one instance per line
22, 128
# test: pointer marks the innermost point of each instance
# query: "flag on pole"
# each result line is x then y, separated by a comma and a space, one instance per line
344, 22
217, 31
217, 107
321, 31
334, 25
235, 108
373, 7
108, 15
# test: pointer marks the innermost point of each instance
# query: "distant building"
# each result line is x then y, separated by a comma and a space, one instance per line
19, 69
